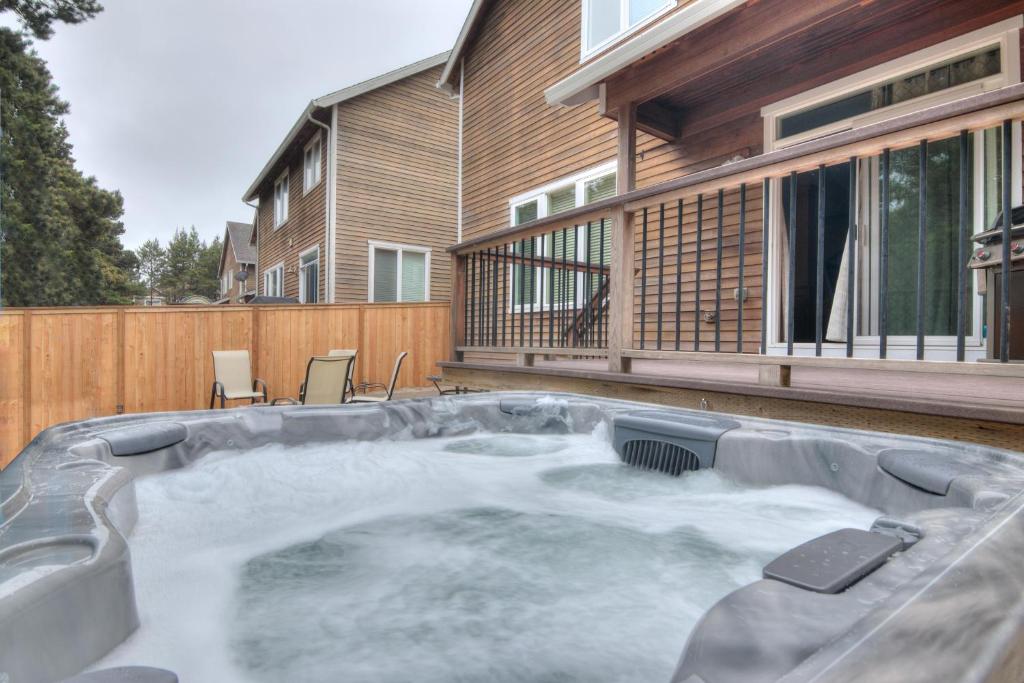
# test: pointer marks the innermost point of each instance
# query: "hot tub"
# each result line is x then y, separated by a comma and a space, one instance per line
508, 536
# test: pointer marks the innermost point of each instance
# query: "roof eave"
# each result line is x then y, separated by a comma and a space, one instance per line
253, 191
450, 67
581, 86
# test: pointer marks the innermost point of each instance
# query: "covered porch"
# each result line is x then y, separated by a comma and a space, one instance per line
828, 280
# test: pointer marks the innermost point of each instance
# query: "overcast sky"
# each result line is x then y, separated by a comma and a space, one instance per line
179, 103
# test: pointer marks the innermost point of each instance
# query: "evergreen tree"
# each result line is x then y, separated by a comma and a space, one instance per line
60, 234
207, 282
151, 259
179, 277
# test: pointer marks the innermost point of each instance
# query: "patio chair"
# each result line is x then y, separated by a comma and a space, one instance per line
389, 388
233, 380
350, 388
326, 382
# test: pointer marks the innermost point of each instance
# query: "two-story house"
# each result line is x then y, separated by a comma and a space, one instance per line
358, 202
719, 196
237, 256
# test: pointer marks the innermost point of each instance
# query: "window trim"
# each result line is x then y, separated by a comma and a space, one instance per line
284, 177
302, 279
374, 245
316, 142
1005, 34
587, 52
278, 267
540, 195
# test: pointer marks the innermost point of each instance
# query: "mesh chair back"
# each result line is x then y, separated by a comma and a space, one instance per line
326, 379
346, 352
233, 371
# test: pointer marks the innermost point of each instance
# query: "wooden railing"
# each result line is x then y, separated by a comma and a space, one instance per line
62, 364
696, 280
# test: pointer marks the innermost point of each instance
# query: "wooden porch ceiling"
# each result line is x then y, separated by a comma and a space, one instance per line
768, 50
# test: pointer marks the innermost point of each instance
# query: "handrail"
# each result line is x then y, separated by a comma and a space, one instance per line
974, 112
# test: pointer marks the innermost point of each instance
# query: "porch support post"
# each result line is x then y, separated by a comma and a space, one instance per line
457, 318
620, 294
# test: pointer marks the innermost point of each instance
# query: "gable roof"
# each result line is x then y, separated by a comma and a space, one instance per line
334, 98
469, 28
237, 235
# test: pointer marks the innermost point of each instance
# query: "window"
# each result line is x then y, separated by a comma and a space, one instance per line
532, 287
273, 281
309, 276
311, 164
605, 20
281, 200
399, 273
985, 59
982, 60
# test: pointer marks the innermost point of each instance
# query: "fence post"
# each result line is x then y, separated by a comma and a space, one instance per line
457, 317
26, 378
620, 283
121, 382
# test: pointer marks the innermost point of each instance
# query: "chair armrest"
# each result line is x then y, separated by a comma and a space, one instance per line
366, 385
262, 384
216, 390
284, 402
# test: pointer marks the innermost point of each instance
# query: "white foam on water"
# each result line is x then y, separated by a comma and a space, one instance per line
490, 557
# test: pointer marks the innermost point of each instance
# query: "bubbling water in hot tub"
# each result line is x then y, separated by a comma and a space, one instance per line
499, 557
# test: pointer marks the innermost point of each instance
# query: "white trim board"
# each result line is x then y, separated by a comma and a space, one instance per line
373, 245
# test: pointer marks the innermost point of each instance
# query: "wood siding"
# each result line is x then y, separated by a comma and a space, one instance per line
305, 227
236, 293
397, 179
140, 360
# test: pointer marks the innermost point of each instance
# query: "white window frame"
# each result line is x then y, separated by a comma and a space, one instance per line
1006, 34
540, 195
302, 276
315, 145
374, 245
587, 51
282, 218
279, 269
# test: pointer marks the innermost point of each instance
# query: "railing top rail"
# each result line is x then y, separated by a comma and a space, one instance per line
976, 111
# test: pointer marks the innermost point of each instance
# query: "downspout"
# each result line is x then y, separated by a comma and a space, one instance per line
328, 260
256, 227
458, 199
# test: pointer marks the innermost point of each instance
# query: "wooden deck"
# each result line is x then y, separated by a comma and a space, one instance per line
974, 408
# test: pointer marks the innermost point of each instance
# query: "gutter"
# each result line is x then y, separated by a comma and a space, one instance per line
329, 191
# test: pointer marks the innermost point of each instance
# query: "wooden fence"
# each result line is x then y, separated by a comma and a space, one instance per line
62, 364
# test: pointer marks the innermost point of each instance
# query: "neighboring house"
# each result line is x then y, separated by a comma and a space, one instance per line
566, 102
154, 298
238, 255
359, 201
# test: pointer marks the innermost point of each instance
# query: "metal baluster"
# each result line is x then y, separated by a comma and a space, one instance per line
522, 295
466, 328
679, 271
922, 240
696, 302
741, 296
472, 298
718, 271
494, 299
819, 277
661, 267
600, 288
1004, 313
551, 293
765, 214
883, 266
588, 289
961, 252
564, 303
791, 270
506, 299
643, 281
533, 283
851, 266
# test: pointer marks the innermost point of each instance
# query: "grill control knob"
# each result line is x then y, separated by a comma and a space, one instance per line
1017, 247
983, 254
